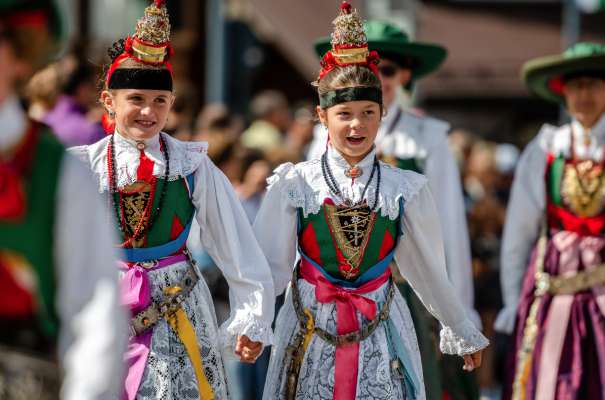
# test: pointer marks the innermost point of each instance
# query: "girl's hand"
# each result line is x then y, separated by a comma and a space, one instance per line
472, 361
247, 350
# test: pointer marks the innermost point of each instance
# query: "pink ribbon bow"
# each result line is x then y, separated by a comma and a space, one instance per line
347, 302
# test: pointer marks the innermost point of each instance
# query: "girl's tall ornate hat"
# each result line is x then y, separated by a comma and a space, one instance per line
349, 47
349, 43
149, 46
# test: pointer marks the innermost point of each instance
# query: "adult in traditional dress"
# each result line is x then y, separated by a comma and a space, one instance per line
552, 272
59, 305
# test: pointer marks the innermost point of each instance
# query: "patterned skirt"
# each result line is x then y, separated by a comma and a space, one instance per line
375, 379
169, 373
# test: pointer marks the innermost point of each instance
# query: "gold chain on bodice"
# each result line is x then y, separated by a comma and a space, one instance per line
583, 188
134, 207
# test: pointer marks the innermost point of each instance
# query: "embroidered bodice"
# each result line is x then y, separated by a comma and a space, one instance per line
347, 241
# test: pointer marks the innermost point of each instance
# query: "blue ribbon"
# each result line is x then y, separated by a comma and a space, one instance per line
396, 346
144, 254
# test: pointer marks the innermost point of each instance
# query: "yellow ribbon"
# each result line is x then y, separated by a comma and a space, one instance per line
179, 322
309, 330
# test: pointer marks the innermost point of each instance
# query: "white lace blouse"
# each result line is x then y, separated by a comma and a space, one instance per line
419, 254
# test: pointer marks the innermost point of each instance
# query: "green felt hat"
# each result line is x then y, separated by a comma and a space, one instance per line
393, 43
544, 76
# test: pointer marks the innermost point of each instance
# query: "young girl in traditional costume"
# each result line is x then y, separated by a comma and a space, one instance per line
553, 276
415, 141
156, 185
345, 332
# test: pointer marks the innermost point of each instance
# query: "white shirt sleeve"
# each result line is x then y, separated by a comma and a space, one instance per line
93, 324
227, 236
420, 258
521, 229
444, 178
275, 228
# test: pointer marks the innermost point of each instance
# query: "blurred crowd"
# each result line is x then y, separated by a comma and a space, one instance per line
248, 147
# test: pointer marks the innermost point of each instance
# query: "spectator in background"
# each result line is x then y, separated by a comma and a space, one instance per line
75, 117
42, 91
271, 120
181, 116
300, 132
487, 174
215, 121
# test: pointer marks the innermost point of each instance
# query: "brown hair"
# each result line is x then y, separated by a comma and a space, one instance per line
347, 76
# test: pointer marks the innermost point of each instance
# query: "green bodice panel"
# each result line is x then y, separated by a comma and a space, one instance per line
177, 211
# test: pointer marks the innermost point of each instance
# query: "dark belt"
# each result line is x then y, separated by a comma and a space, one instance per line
150, 316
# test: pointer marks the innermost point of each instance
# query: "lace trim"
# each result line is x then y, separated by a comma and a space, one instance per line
185, 158
247, 324
309, 192
467, 340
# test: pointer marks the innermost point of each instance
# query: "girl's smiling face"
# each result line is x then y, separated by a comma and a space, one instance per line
352, 127
139, 113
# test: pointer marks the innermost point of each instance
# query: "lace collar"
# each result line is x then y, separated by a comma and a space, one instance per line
303, 185
597, 132
185, 157
557, 140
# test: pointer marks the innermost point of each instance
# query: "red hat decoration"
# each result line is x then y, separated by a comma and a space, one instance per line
349, 43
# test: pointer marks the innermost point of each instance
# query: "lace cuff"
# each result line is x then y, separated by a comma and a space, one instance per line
255, 328
463, 339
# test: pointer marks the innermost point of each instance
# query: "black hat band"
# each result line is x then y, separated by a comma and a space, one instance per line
359, 93
141, 78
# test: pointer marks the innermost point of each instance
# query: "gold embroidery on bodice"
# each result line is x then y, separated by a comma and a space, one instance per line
134, 207
352, 228
583, 188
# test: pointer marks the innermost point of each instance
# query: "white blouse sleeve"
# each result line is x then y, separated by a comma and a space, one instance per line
93, 325
227, 236
420, 258
444, 179
275, 227
521, 229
